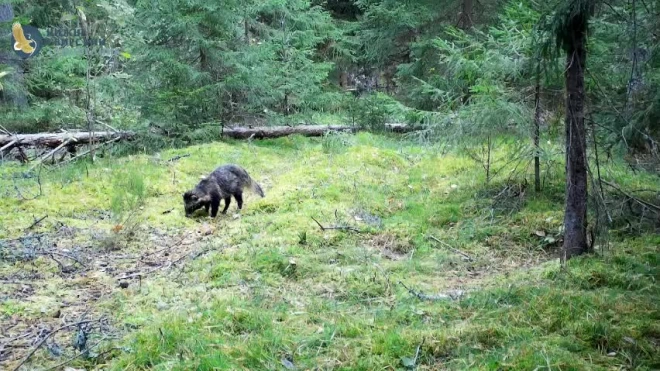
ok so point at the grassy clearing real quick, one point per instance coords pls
(273, 290)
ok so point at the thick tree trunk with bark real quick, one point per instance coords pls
(575, 218)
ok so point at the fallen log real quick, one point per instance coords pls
(54, 140)
(402, 128)
(264, 132)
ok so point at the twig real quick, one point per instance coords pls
(154, 252)
(57, 366)
(645, 203)
(8, 146)
(340, 228)
(107, 126)
(12, 282)
(506, 188)
(43, 158)
(387, 277)
(89, 150)
(62, 255)
(419, 347)
(192, 257)
(140, 274)
(36, 221)
(452, 295)
(197, 255)
(18, 191)
(179, 157)
(4, 130)
(323, 342)
(56, 261)
(164, 266)
(43, 341)
(466, 256)
(200, 253)
(179, 259)
(19, 337)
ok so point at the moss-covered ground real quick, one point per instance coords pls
(268, 289)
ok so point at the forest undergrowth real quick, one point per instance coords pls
(366, 253)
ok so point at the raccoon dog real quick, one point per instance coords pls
(223, 183)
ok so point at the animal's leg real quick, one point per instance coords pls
(239, 199)
(227, 201)
(215, 205)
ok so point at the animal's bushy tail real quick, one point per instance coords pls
(247, 180)
(256, 188)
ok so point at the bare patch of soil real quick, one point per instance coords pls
(51, 281)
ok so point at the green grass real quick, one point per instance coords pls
(275, 286)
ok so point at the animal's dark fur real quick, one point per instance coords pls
(223, 183)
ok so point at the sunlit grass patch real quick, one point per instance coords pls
(276, 288)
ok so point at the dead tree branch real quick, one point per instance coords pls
(419, 348)
(53, 140)
(43, 341)
(457, 251)
(636, 199)
(179, 157)
(67, 256)
(43, 158)
(36, 221)
(8, 147)
(340, 228)
(142, 274)
(18, 191)
(107, 126)
(86, 351)
(88, 151)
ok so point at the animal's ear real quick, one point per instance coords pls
(187, 195)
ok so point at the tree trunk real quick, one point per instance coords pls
(537, 130)
(263, 132)
(285, 104)
(575, 218)
(343, 79)
(89, 106)
(246, 30)
(490, 148)
(465, 19)
(203, 60)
